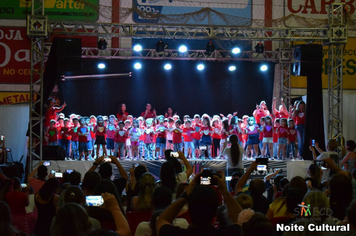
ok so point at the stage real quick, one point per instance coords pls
(290, 168)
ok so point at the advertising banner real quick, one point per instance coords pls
(10, 98)
(58, 10)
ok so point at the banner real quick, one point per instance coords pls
(60, 10)
(348, 65)
(14, 55)
(9, 98)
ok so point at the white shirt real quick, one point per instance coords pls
(227, 154)
(144, 229)
(325, 155)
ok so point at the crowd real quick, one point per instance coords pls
(278, 134)
(179, 202)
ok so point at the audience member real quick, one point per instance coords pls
(315, 174)
(37, 182)
(6, 227)
(133, 188)
(350, 158)
(147, 186)
(91, 179)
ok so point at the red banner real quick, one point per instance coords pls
(15, 49)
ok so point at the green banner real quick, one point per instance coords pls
(57, 10)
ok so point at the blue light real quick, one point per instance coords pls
(183, 49)
(232, 68)
(264, 68)
(236, 50)
(101, 66)
(137, 48)
(200, 67)
(167, 66)
(137, 66)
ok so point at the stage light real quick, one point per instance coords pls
(263, 68)
(102, 44)
(167, 66)
(232, 68)
(259, 48)
(137, 66)
(160, 46)
(210, 47)
(200, 67)
(183, 49)
(101, 66)
(137, 48)
(236, 50)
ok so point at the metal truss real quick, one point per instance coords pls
(174, 54)
(285, 62)
(337, 24)
(188, 32)
(335, 34)
(36, 29)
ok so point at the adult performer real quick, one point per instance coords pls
(148, 113)
(122, 113)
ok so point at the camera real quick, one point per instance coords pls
(69, 171)
(206, 177)
(47, 163)
(23, 185)
(94, 200)
(175, 154)
(312, 142)
(58, 174)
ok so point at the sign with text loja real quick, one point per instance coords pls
(14, 55)
(62, 10)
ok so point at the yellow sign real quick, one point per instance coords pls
(9, 98)
(348, 68)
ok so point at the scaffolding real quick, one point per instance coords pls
(335, 34)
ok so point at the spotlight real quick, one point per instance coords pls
(102, 44)
(183, 49)
(167, 66)
(200, 67)
(232, 68)
(160, 46)
(263, 68)
(210, 47)
(259, 48)
(101, 66)
(137, 48)
(137, 66)
(236, 50)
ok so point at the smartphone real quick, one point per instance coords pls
(205, 180)
(23, 185)
(94, 200)
(107, 159)
(69, 171)
(47, 163)
(2, 137)
(58, 174)
(313, 142)
(262, 167)
(174, 154)
(135, 165)
(53, 172)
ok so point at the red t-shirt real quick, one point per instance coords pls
(148, 137)
(197, 134)
(111, 131)
(122, 117)
(267, 131)
(259, 115)
(223, 133)
(282, 132)
(17, 202)
(216, 132)
(206, 130)
(50, 114)
(66, 133)
(52, 134)
(280, 115)
(83, 138)
(100, 130)
(187, 134)
(74, 133)
(150, 114)
(176, 136)
(142, 137)
(159, 133)
(292, 134)
(300, 119)
(120, 136)
(59, 128)
(252, 129)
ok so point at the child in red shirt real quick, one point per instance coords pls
(120, 139)
(292, 137)
(177, 136)
(83, 133)
(188, 132)
(66, 136)
(148, 139)
(267, 140)
(52, 134)
(100, 132)
(206, 131)
(282, 132)
(75, 139)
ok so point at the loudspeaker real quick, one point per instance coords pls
(69, 54)
(53, 153)
(307, 58)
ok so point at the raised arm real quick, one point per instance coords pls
(96, 163)
(243, 180)
(122, 171)
(189, 168)
(32, 174)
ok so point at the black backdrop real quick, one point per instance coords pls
(188, 91)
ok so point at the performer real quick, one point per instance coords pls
(299, 116)
(122, 114)
(267, 140)
(260, 111)
(148, 139)
(100, 132)
(51, 112)
(252, 130)
(161, 137)
(148, 113)
(206, 131)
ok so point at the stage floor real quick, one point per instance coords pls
(290, 168)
